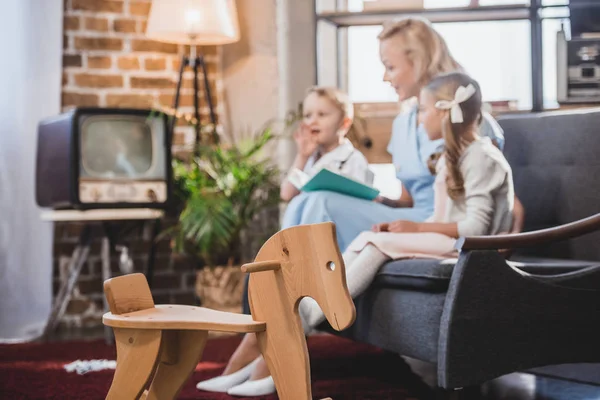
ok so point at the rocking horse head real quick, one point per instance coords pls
(304, 260)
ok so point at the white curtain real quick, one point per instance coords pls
(30, 81)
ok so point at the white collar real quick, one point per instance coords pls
(340, 153)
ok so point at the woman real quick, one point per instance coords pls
(413, 52)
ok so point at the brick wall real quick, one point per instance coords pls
(108, 62)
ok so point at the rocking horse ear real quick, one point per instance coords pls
(261, 266)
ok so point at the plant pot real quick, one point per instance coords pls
(220, 288)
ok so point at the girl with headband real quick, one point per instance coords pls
(473, 191)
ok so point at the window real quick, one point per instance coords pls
(497, 52)
(357, 5)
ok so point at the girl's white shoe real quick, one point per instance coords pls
(259, 387)
(225, 382)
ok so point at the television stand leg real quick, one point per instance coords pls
(152, 252)
(63, 297)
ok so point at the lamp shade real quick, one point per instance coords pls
(199, 22)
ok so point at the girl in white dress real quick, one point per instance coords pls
(473, 191)
(322, 143)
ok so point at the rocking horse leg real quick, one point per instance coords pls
(180, 353)
(287, 359)
(137, 353)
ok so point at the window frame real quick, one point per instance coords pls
(331, 31)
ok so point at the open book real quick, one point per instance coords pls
(326, 179)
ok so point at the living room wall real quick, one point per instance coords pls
(108, 62)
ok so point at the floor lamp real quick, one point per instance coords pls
(194, 23)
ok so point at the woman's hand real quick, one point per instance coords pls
(401, 226)
(307, 143)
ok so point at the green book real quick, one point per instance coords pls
(331, 181)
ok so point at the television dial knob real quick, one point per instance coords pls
(151, 194)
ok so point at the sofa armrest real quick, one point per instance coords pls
(520, 240)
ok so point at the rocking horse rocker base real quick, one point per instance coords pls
(160, 345)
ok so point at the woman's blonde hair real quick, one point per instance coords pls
(456, 139)
(336, 96)
(424, 46)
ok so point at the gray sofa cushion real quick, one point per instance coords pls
(418, 273)
(433, 276)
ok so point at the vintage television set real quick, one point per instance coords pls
(98, 158)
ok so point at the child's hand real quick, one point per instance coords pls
(403, 227)
(306, 142)
(382, 227)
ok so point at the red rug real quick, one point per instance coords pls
(341, 369)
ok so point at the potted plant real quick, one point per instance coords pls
(223, 189)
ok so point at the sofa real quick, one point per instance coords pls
(482, 315)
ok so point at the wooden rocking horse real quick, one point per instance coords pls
(162, 344)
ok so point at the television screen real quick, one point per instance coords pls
(116, 147)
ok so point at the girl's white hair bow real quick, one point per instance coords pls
(462, 94)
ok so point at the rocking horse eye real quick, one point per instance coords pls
(331, 266)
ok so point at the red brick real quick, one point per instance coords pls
(99, 62)
(155, 64)
(65, 42)
(185, 100)
(166, 281)
(129, 100)
(65, 79)
(78, 306)
(189, 84)
(190, 280)
(179, 138)
(128, 63)
(124, 25)
(96, 24)
(151, 83)
(71, 23)
(91, 321)
(139, 8)
(98, 81)
(63, 249)
(150, 45)
(183, 263)
(162, 262)
(210, 66)
(90, 285)
(204, 50)
(72, 230)
(98, 5)
(71, 60)
(184, 298)
(56, 283)
(143, 25)
(161, 298)
(77, 99)
(89, 43)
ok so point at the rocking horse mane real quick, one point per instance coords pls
(269, 248)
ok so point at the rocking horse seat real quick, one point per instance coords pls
(174, 316)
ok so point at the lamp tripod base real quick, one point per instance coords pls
(198, 64)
